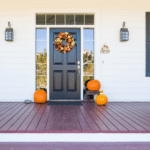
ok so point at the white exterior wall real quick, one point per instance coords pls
(122, 75)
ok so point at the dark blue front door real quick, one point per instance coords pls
(65, 68)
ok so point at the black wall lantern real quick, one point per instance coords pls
(124, 33)
(9, 33)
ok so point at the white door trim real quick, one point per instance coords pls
(97, 42)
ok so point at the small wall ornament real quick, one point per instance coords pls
(59, 45)
(105, 49)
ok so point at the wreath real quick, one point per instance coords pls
(59, 45)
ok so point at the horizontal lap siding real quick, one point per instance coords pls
(17, 62)
(123, 70)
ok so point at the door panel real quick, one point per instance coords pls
(64, 72)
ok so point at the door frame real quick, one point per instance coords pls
(97, 41)
(48, 61)
(48, 58)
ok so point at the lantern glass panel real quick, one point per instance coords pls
(9, 34)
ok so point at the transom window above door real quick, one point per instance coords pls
(64, 19)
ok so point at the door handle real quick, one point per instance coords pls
(78, 68)
(78, 72)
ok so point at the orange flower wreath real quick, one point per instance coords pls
(67, 47)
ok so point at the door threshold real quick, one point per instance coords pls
(68, 100)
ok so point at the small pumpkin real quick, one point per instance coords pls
(93, 85)
(101, 99)
(40, 96)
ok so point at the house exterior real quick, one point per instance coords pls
(123, 73)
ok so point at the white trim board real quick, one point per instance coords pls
(96, 28)
(75, 137)
(48, 27)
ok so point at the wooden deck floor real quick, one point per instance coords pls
(129, 117)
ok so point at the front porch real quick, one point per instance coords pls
(115, 117)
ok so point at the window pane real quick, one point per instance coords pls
(88, 51)
(79, 19)
(41, 81)
(70, 19)
(59, 19)
(41, 34)
(88, 69)
(50, 19)
(89, 19)
(85, 78)
(41, 69)
(40, 19)
(41, 58)
(41, 46)
(88, 34)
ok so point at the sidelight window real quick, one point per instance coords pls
(41, 58)
(88, 55)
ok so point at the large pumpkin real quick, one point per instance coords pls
(93, 85)
(40, 96)
(101, 99)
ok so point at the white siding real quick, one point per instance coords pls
(17, 66)
(122, 75)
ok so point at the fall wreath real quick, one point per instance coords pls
(59, 45)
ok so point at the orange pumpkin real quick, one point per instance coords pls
(93, 85)
(101, 99)
(40, 96)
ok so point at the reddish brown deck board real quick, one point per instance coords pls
(58, 121)
(82, 121)
(102, 126)
(42, 124)
(143, 123)
(55, 119)
(3, 105)
(15, 118)
(134, 121)
(140, 109)
(136, 126)
(17, 124)
(104, 119)
(7, 109)
(145, 117)
(35, 121)
(118, 118)
(70, 119)
(28, 120)
(115, 117)
(116, 123)
(93, 126)
(11, 116)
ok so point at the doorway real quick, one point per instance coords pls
(65, 69)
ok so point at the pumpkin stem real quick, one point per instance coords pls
(101, 93)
